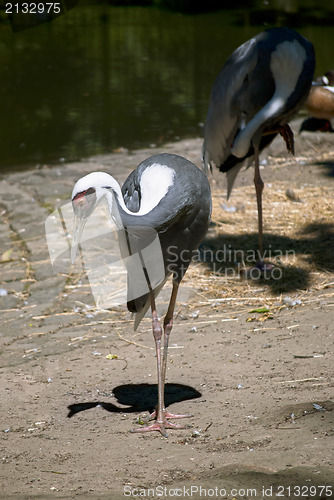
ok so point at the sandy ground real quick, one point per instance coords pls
(251, 360)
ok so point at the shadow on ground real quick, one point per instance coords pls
(139, 398)
(291, 258)
(328, 165)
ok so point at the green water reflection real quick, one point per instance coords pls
(102, 77)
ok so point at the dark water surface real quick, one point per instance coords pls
(99, 77)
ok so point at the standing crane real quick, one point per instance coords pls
(167, 194)
(259, 89)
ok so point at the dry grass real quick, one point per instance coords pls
(298, 241)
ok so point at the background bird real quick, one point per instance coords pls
(320, 104)
(327, 79)
(168, 196)
(316, 125)
(259, 89)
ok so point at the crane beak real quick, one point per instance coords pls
(79, 225)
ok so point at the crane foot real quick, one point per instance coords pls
(161, 427)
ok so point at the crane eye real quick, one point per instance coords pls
(83, 194)
(84, 202)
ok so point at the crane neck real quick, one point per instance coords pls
(122, 216)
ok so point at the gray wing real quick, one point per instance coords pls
(224, 117)
(131, 190)
(180, 219)
(243, 87)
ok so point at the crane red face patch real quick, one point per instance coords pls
(84, 202)
(83, 194)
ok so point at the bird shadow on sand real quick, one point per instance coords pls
(138, 398)
(293, 259)
(328, 167)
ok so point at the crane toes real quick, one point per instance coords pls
(169, 415)
(157, 426)
(161, 427)
(163, 424)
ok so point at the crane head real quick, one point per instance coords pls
(86, 195)
(83, 204)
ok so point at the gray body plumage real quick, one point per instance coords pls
(243, 87)
(167, 197)
(180, 219)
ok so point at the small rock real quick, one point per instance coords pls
(195, 314)
(289, 301)
(293, 196)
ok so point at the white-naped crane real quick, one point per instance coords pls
(171, 196)
(260, 87)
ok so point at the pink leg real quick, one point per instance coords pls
(161, 423)
(258, 182)
(287, 135)
(168, 324)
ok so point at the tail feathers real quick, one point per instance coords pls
(231, 175)
(141, 305)
(206, 162)
(141, 313)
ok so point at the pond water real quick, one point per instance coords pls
(100, 77)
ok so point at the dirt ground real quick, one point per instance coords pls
(251, 358)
